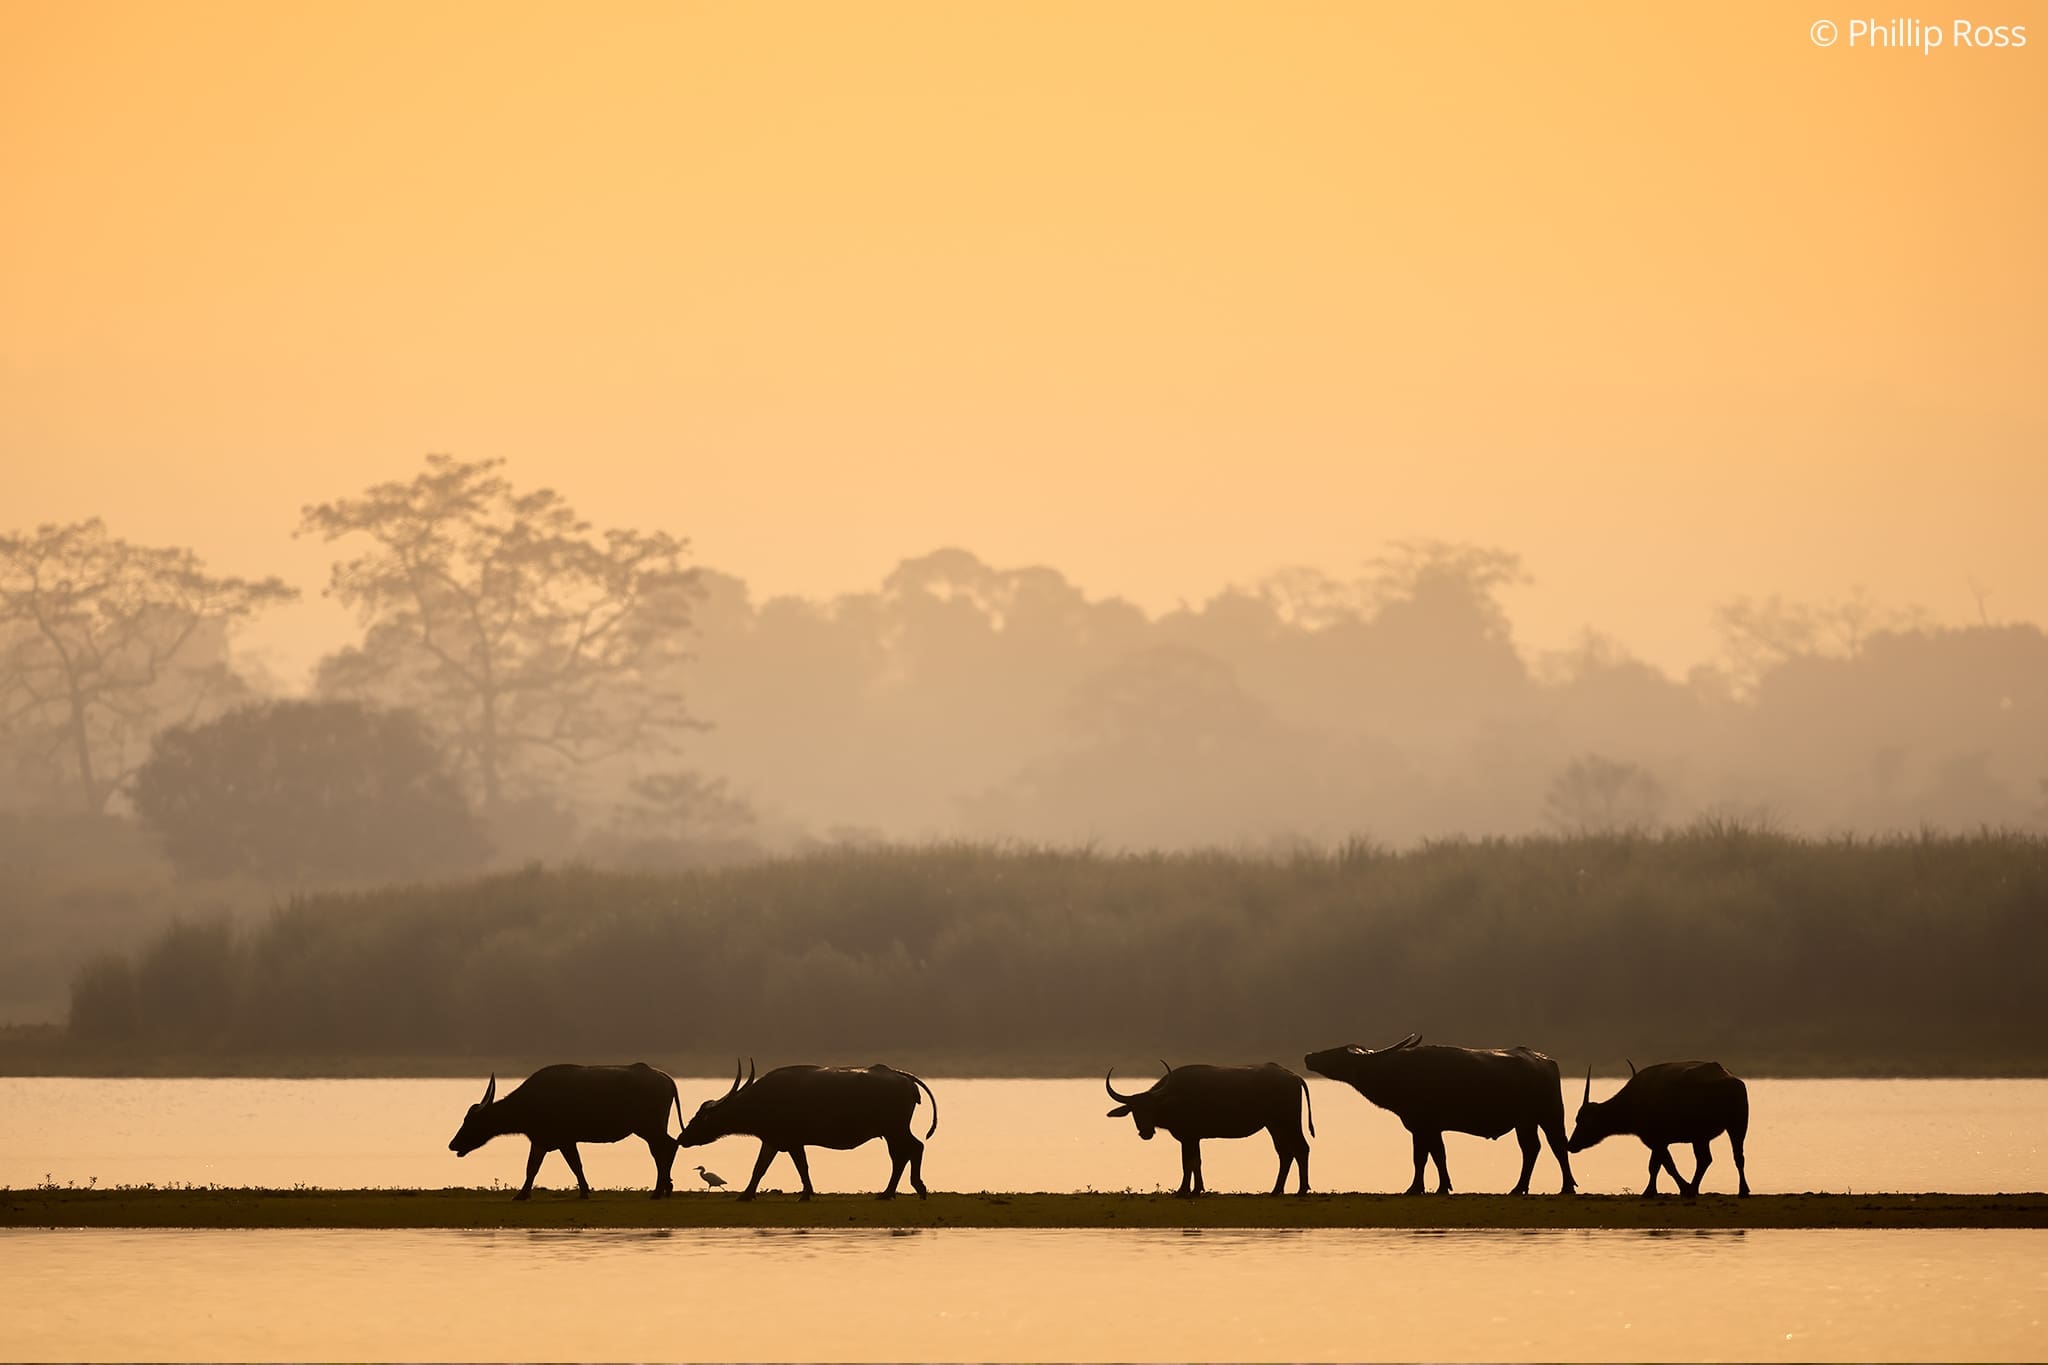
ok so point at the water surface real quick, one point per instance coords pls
(1834, 1136)
(978, 1295)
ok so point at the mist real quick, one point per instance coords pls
(526, 688)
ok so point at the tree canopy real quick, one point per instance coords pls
(102, 642)
(530, 641)
(307, 790)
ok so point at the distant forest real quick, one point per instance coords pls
(1774, 955)
(527, 688)
(588, 693)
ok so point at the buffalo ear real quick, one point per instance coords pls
(1118, 1112)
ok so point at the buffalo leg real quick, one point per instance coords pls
(1738, 1129)
(905, 1151)
(575, 1160)
(761, 1163)
(1190, 1169)
(1527, 1138)
(1443, 1171)
(917, 1166)
(1290, 1152)
(1705, 1155)
(1661, 1157)
(803, 1170)
(663, 1149)
(533, 1160)
(1560, 1147)
(1286, 1155)
(1421, 1161)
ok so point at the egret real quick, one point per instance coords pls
(711, 1178)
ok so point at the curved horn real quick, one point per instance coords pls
(1589, 1085)
(735, 1079)
(750, 1071)
(1120, 1099)
(1168, 1065)
(491, 1090)
(1631, 1069)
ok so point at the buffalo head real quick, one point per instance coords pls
(476, 1129)
(1144, 1108)
(1350, 1062)
(710, 1122)
(1596, 1121)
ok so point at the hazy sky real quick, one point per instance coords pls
(1667, 298)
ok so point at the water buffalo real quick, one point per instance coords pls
(794, 1107)
(1196, 1102)
(559, 1106)
(1434, 1090)
(1671, 1102)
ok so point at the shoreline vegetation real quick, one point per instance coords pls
(494, 1209)
(1777, 955)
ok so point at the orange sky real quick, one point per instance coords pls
(1666, 298)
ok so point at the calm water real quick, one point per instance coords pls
(988, 1294)
(1834, 1136)
(1779, 1295)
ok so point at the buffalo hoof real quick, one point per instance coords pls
(923, 1193)
(1413, 1189)
(804, 1198)
(1186, 1194)
(1519, 1189)
(583, 1194)
(886, 1194)
(522, 1196)
(746, 1196)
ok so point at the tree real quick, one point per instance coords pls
(103, 642)
(524, 638)
(306, 789)
(1596, 795)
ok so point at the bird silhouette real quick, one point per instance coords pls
(711, 1178)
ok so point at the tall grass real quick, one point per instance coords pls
(1919, 954)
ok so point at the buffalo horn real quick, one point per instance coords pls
(1120, 1099)
(735, 1077)
(1166, 1066)
(1589, 1085)
(750, 1071)
(491, 1090)
(1631, 1069)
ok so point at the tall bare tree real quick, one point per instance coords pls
(103, 642)
(527, 638)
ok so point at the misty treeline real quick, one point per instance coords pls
(586, 693)
(1772, 953)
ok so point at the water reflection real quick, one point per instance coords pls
(953, 1294)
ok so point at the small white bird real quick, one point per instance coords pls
(711, 1178)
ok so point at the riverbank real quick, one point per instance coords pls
(495, 1209)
